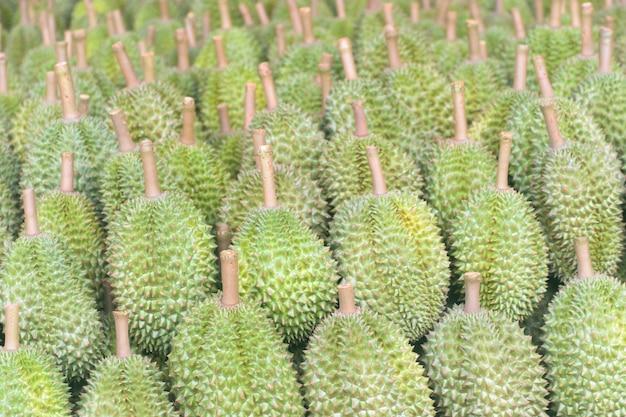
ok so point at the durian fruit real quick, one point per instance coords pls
(450, 52)
(378, 374)
(284, 265)
(184, 77)
(306, 92)
(38, 61)
(576, 188)
(227, 358)
(587, 377)
(389, 246)
(30, 383)
(125, 385)
(22, 38)
(480, 362)
(103, 59)
(498, 235)
(40, 274)
(164, 28)
(10, 98)
(161, 261)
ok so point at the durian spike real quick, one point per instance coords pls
(347, 305)
(223, 236)
(294, 16)
(555, 14)
(460, 119)
(80, 37)
(151, 178)
(521, 66)
(230, 278)
(360, 120)
(281, 43)
(125, 65)
(119, 22)
(379, 187)
(538, 9)
(393, 53)
(606, 51)
(388, 14)
(220, 52)
(67, 172)
(308, 37)
(4, 80)
(347, 59)
(499, 6)
(474, 10)
(30, 213)
(340, 6)
(262, 13)
(110, 25)
(258, 140)
(206, 25)
(68, 95)
(188, 136)
(164, 11)
(222, 114)
(267, 81)
(586, 31)
(150, 35)
(12, 327)
(574, 7)
(249, 105)
(518, 23)
(609, 22)
(267, 173)
(245, 14)
(326, 82)
(147, 62)
(583, 257)
(182, 47)
(43, 27)
(474, 40)
(51, 87)
(122, 342)
(502, 176)
(24, 13)
(190, 30)
(472, 292)
(484, 54)
(444, 6)
(83, 105)
(91, 14)
(542, 77)
(60, 49)
(451, 19)
(68, 37)
(549, 116)
(124, 141)
(415, 12)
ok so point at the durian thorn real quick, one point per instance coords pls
(294, 16)
(499, 7)
(460, 119)
(190, 30)
(451, 18)
(262, 13)
(267, 174)
(444, 7)
(267, 81)
(51, 87)
(80, 37)
(502, 176)
(542, 77)
(124, 141)
(60, 49)
(220, 52)
(206, 25)
(340, 6)
(30, 213)
(474, 40)
(125, 65)
(91, 14)
(549, 116)
(347, 59)
(147, 62)
(538, 11)
(249, 105)
(24, 17)
(230, 278)
(555, 14)
(188, 135)
(68, 95)
(83, 105)
(326, 82)
(472, 292)
(122, 341)
(518, 23)
(609, 22)
(150, 36)
(388, 14)
(415, 12)
(12, 327)
(245, 14)
(484, 54)
(606, 51)
(586, 31)
(379, 187)
(182, 47)
(521, 67)
(574, 7)
(393, 52)
(281, 43)
(583, 258)
(4, 79)
(426, 4)
(223, 236)
(308, 37)
(347, 304)
(224, 120)
(474, 10)
(151, 178)
(360, 120)
(118, 20)
(67, 172)
(110, 25)
(258, 140)
(224, 14)
(164, 11)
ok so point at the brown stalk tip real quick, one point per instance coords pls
(451, 18)
(393, 52)
(263, 17)
(190, 29)
(124, 141)
(230, 278)
(150, 35)
(147, 62)
(549, 116)
(606, 51)
(223, 235)
(379, 187)
(110, 25)
(66, 88)
(188, 136)
(30, 213)
(281, 41)
(249, 104)
(121, 319)
(60, 48)
(388, 14)
(360, 120)
(164, 10)
(224, 14)
(267, 81)
(125, 65)
(472, 292)
(325, 81)
(79, 36)
(12, 327)
(555, 14)
(518, 23)
(460, 118)
(294, 16)
(340, 6)
(542, 77)
(182, 46)
(345, 51)
(347, 304)
(474, 40)
(119, 22)
(245, 14)
(307, 25)
(521, 67)
(224, 120)
(415, 12)
(67, 172)
(4, 80)
(258, 140)
(267, 174)
(151, 179)
(502, 176)
(51, 87)
(574, 6)
(583, 257)
(586, 32)
(83, 105)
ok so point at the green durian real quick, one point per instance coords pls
(22, 39)
(369, 23)
(450, 52)
(241, 48)
(188, 80)
(501, 46)
(303, 91)
(498, 235)
(37, 61)
(10, 211)
(148, 11)
(158, 241)
(228, 359)
(284, 265)
(480, 362)
(282, 10)
(30, 383)
(224, 13)
(378, 373)
(231, 144)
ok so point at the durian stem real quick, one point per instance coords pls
(474, 40)
(24, 13)
(12, 327)
(91, 14)
(249, 105)
(60, 49)
(294, 16)
(542, 77)
(4, 79)
(609, 22)
(150, 36)
(51, 87)
(327, 58)
(518, 23)
(31, 11)
(521, 64)
(68, 36)
(124, 141)
(451, 19)
(574, 7)
(555, 14)
(151, 178)
(345, 51)
(66, 88)
(472, 292)
(608, 4)
(426, 4)
(182, 48)
(460, 119)
(125, 65)
(484, 54)
(606, 51)
(230, 278)
(502, 177)
(314, 8)
(224, 14)
(499, 6)
(388, 14)
(267, 174)
(347, 305)
(308, 37)
(281, 43)
(223, 236)
(164, 10)
(206, 25)
(444, 6)
(220, 52)
(373, 5)
(340, 5)
(119, 22)
(83, 105)
(474, 10)
(43, 27)
(360, 120)
(262, 13)
(245, 14)
(415, 12)
(80, 36)
(30, 213)
(267, 81)
(379, 187)
(110, 25)
(326, 82)
(147, 62)
(190, 30)
(67, 172)
(393, 53)
(121, 334)
(222, 114)
(188, 136)
(583, 257)
(258, 140)
(586, 32)
(549, 116)
(538, 9)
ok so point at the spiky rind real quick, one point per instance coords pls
(22, 38)
(30, 123)
(240, 45)
(36, 62)
(572, 72)
(304, 59)
(448, 55)
(554, 45)
(301, 90)
(230, 148)
(104, 58)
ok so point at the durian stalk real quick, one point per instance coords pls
(164, 11)
(51, 87)
(182, 47)
(340, 6)
(518, 24)
(294, 16)
(538, 9)
(347, 305)
(460, 119)
(415, 12)
(68, 35)
(258, 140)
(206, 25)
(379, 187)
(150, 35)
(393, 53)
(125, 65)
(347, 59)
(124, 141)
(267, 174)
(267, 81)
(24, 13)
(281, 43)
(83, 105)
(608, 4)
(222, 114)
(444, 6)
(360, 121)
(574, 7)
(4, 80)
(451, 19)
(52, 26)
(314, 8)
(326, 82)
(147, 62)
(606, 51)
(484, 54)
(60, 49)
(609, 22)
(249, 105)
(502, 176)
(388, 14)
(91, 14)
(122, 341)
(110, 25)
(245, 14)
(12, 327)
(67, 172)
(223, 236)
(188, 136)
(220, 52)
(230, 278)
(327, 58)
(549, 116)
(43, 27)
(190, 30)
(307, 26)
(373, 5)
(119, 22)
(426, 4)
(31, 11)
(68, 95)
(79, 37)
(472, 292)
(474, 10)
(555, 14)
(499, 7)
(151, 178)
(474, 40)
(542, 77)
(586, 32)
(583, 257)
(262, 13)
(521, 64)
(30, 213)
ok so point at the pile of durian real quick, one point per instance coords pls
(312, 208)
